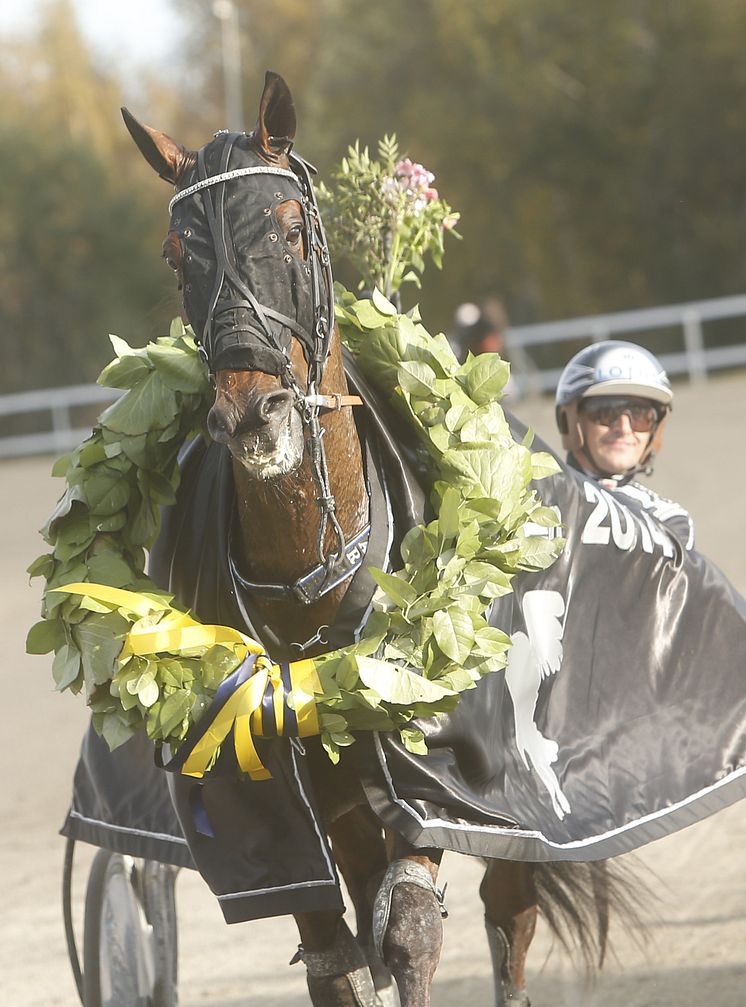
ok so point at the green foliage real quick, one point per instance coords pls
(384, 217)
(74, 257)
(109, 514)
(427, 640)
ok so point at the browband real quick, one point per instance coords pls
(226, 176)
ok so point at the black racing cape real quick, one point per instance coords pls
(620, 718)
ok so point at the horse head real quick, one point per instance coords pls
(246, 242)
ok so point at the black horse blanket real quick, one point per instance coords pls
(620, 718)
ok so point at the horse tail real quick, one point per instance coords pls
(578, 900)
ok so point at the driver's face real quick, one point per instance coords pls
(611, 445)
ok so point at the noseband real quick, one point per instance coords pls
(241, 332)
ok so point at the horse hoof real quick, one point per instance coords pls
(506, 993)
(339, 976)
(408, 929)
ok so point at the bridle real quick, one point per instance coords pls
(257, 340)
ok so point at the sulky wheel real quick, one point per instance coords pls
(129, 934)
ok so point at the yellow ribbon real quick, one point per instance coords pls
(243, 712)
(176, 632)
(140, 604)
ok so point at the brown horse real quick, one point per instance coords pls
(247, 245)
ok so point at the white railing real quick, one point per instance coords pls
(58, 403)
(695, 360)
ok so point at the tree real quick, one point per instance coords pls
(79, 235)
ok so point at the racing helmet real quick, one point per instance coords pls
(611, 367)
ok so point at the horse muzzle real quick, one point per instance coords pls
(265, 435)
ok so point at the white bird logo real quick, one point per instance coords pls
(531, 659)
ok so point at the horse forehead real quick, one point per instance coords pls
(249, 201)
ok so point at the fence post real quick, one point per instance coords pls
(694, 345)
(61, 425)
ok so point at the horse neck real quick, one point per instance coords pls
(280, 520)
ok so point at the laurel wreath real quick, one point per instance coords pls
(427, 639)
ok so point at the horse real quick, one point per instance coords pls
(248, 247)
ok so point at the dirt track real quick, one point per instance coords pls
(697, 954)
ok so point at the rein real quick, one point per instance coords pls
(272, 357)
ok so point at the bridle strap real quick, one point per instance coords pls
(226, 176)
(333, 402)
(314, 584)
(332, 569)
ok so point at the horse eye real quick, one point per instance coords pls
(295, 234)
(172, 263)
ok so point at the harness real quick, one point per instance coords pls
(242, 331)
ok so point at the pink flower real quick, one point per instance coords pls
(414, 176)
(430, 194)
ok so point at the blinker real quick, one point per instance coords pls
(248, 312)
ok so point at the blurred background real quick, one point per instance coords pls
(596, 152)
(594, 148)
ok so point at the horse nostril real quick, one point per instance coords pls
(275, 406)
(219, 426)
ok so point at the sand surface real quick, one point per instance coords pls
(696, 953)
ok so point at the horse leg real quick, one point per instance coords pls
(337, 971)
(360, 854)
(510, 911)
(407, 920)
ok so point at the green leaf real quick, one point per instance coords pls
(181, 371)
(537, 552)
(110, 568)
(172, 713)
(177, 330)
(330, 747)
(61, 465)
(72, 495)
(99, 638)
(448, 513)
(413, 740)
(216, 665)
(150, 405)
(334, 723)
(107, 494)
(398, 685)
(124, 372)
(478, 571)
(114, 729)
(417, 378)
(45, 636)
(454, 633)
(159, 488)
(66, 666)
(343, 739)
(484, 377)
(367, 314)
(148, 693)
(382, 304)
(43, 566)
(491, 642)
(543, 464)
(398, 590)
(483, 472)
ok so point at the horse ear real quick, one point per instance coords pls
(164, 155)
(275, 127)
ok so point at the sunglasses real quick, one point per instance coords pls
(643, 416)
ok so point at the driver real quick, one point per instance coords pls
(612, 403)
